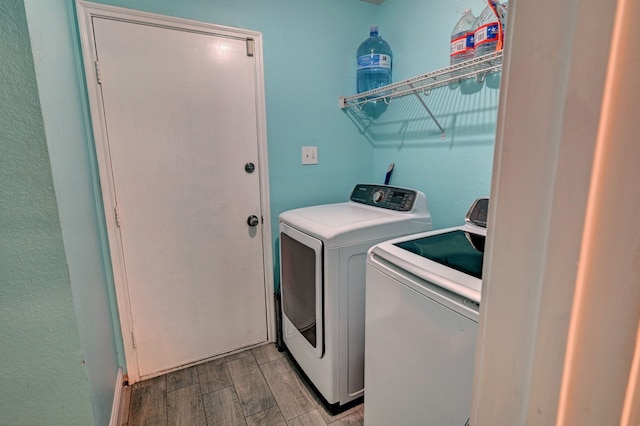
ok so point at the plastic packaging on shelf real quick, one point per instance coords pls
(471, 84)
(462, 45)
(488, 34)
(493, 78)
(374, 60)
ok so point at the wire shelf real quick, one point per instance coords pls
(423, 84)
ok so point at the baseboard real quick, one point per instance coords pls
(117, 400)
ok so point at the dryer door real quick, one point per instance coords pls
(301, 288)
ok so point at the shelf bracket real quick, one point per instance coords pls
(424, 104)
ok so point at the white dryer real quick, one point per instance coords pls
(322, 279)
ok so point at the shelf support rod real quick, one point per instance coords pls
(424, 104)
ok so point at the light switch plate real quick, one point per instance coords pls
(309, 155)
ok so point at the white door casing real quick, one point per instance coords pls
(190, 274)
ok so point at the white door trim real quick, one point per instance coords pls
(86, 11)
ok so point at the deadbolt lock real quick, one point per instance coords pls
(253, 220)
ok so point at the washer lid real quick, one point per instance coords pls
(336, 215)
(457, 249)
(350, 222)
(404, 255)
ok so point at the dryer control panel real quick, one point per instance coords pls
(386, 197)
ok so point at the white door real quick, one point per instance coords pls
(181, 121)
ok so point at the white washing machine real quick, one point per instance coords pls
(322, 280)
(422, 310)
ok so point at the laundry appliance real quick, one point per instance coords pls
(323, 260)
(422, 310)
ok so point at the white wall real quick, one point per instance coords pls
(561, 300)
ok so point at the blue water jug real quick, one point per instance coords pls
(374, 60)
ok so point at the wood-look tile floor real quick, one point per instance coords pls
(259, 386)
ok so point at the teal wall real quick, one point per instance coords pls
(43, 379)
(453, 171)
(52, 32)
(309, 54)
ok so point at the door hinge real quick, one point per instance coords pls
(133, 339)
(251, 47)
(116, 211)
(98, 75)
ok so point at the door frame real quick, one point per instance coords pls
(85, 12)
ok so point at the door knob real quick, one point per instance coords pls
(253, 220)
